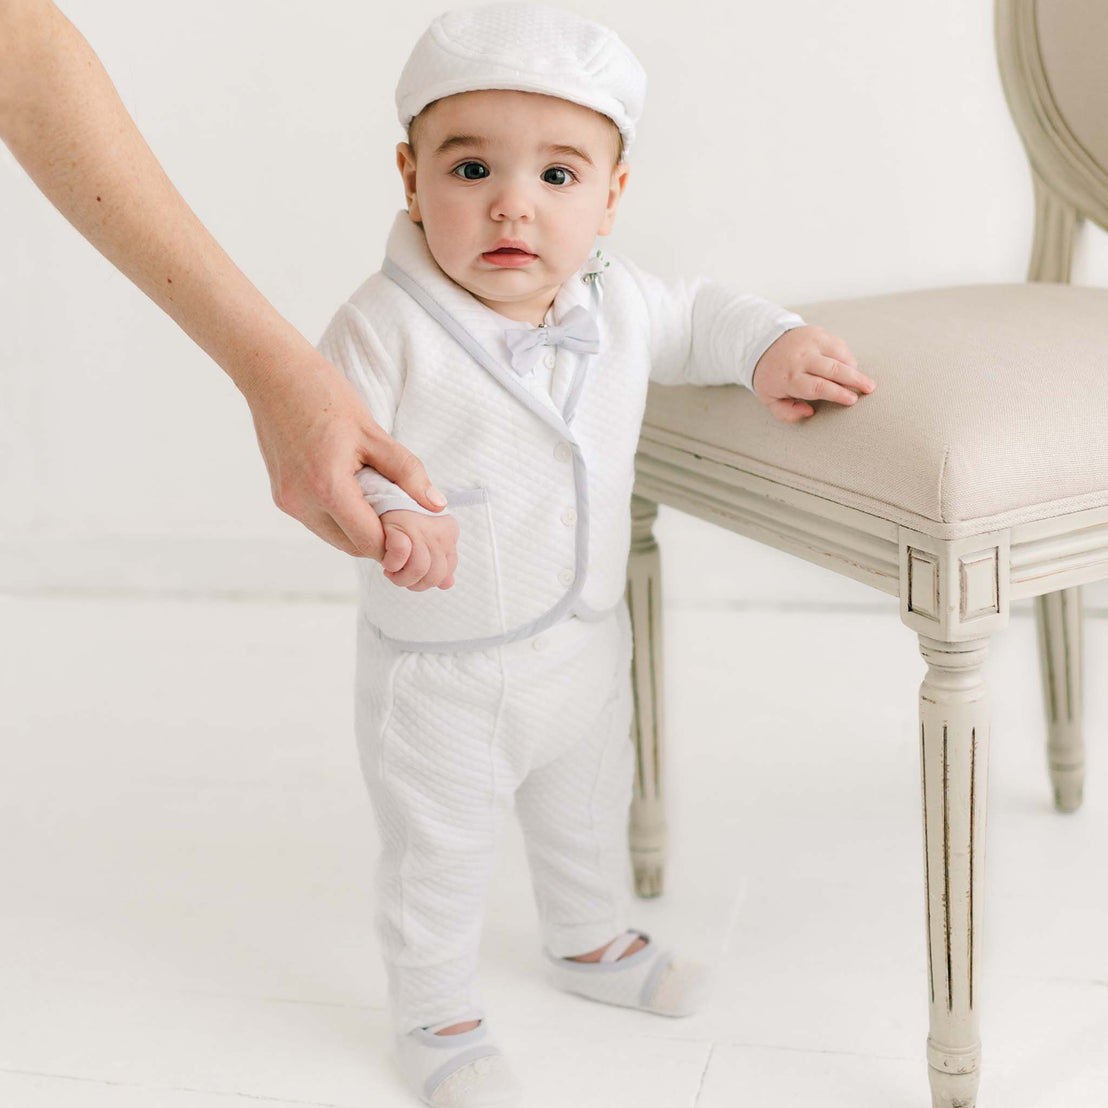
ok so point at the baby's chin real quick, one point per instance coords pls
(511, 287)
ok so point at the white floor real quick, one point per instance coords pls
(185, 903)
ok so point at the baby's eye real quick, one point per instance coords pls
(470, 171)
(557, 175)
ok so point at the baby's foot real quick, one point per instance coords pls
(456, 1065)
(457, 1028)
(598, 954)
(633, 972)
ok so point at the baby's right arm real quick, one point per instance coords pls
(421, 551)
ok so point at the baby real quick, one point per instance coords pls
(494, 643)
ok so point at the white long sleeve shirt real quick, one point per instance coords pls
(538, 469)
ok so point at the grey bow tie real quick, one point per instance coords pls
(577, 331)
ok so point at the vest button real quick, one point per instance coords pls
(566, 577)
(538, 643)
(562, 452)
(569, 517)
(549, 361)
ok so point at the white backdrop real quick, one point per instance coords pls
(800, 149)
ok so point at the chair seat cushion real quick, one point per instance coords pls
(991, 409)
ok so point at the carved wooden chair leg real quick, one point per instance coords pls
(644, 598)
(1058, 616)
(954, 747)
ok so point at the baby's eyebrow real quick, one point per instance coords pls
(455, 141)
(571, 151)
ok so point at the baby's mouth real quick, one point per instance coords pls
(509, 256)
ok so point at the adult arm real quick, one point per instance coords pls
(62, 118)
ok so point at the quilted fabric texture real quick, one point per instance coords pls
(528, 47)
(988, 410)
(446, 742)
(524, 524)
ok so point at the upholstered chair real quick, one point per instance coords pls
(976, 475)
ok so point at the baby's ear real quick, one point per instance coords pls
(616, 187)
(406, 163)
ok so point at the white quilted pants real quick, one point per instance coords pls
(447, 742)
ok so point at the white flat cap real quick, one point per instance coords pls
(529, 48)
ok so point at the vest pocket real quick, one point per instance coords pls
(469, 609)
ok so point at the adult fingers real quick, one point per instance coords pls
(324, 527)
(330, 504)
(401, 466)
(357, 521)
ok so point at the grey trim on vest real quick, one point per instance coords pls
(579, 375)
(454, 1064)
(504, 376)
(508, 380)
(465, 498)
(403, 504)
(461, 499)
(594, 615)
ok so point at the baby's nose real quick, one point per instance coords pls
(513, 203)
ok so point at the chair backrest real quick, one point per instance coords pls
(1053, 58)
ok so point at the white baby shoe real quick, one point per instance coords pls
(457, 1071)
(651, 979)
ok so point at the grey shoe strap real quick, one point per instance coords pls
(618, 947)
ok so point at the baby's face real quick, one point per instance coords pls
(511, 188)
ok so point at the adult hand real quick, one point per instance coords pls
(315, 433)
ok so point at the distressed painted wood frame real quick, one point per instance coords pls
(954, 594)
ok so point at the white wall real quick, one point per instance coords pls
(800, 149)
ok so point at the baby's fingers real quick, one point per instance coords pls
(789, 410)
(436, 571)
(415, 569)
(451, 566)
(397, 549)
(834, 346)
(846, 374)
(820, 383)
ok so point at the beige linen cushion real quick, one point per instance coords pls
(991, 409)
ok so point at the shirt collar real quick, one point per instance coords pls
(407, 248)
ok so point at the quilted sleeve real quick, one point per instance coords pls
(350, 344)
(702, 333)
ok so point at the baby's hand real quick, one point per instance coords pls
(420, 551)
(807, 363)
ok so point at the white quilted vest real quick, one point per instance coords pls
(541, 495)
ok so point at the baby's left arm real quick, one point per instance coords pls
(804, 364)
(703, 333)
